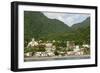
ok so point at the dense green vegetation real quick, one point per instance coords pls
(41, 28)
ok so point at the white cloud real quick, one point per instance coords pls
(67, 18)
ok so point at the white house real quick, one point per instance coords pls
(28, 54)
(50, 53)
(37, 54)
(48, 47)
(70, 53)
(32, 43)
(76, 48)
(86, 45)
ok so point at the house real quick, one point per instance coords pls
(37, 54)
(76, 49)
(50, 54)
(28, 54)
(86, 45)
(49, 47)
(70, 53)
(79, 52)
(53, 48)
(32, 43)
(70, 44)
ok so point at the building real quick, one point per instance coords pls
(70, 44)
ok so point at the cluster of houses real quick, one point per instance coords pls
(50, 49)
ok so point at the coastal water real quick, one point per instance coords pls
(27, 59)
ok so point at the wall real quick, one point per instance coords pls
(5, 35)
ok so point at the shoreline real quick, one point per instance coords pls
(33, 58)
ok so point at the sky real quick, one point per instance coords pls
(67, 18)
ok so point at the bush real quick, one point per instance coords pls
(86, 51)
(28, 50)
(56, 53)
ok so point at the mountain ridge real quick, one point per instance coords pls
(39, 26)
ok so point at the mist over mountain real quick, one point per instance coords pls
(83, 24)
(40, 27)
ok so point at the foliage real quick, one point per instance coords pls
(70, 49)
(28, 50)
(41, 28)
(86, 51)
(35, 49)
(56, 53)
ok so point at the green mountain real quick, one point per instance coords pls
(82, 31)
(40, 27)
(37, 25)
(83, 24)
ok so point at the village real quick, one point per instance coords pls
(55, 49)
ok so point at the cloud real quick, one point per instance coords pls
(67, 18)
